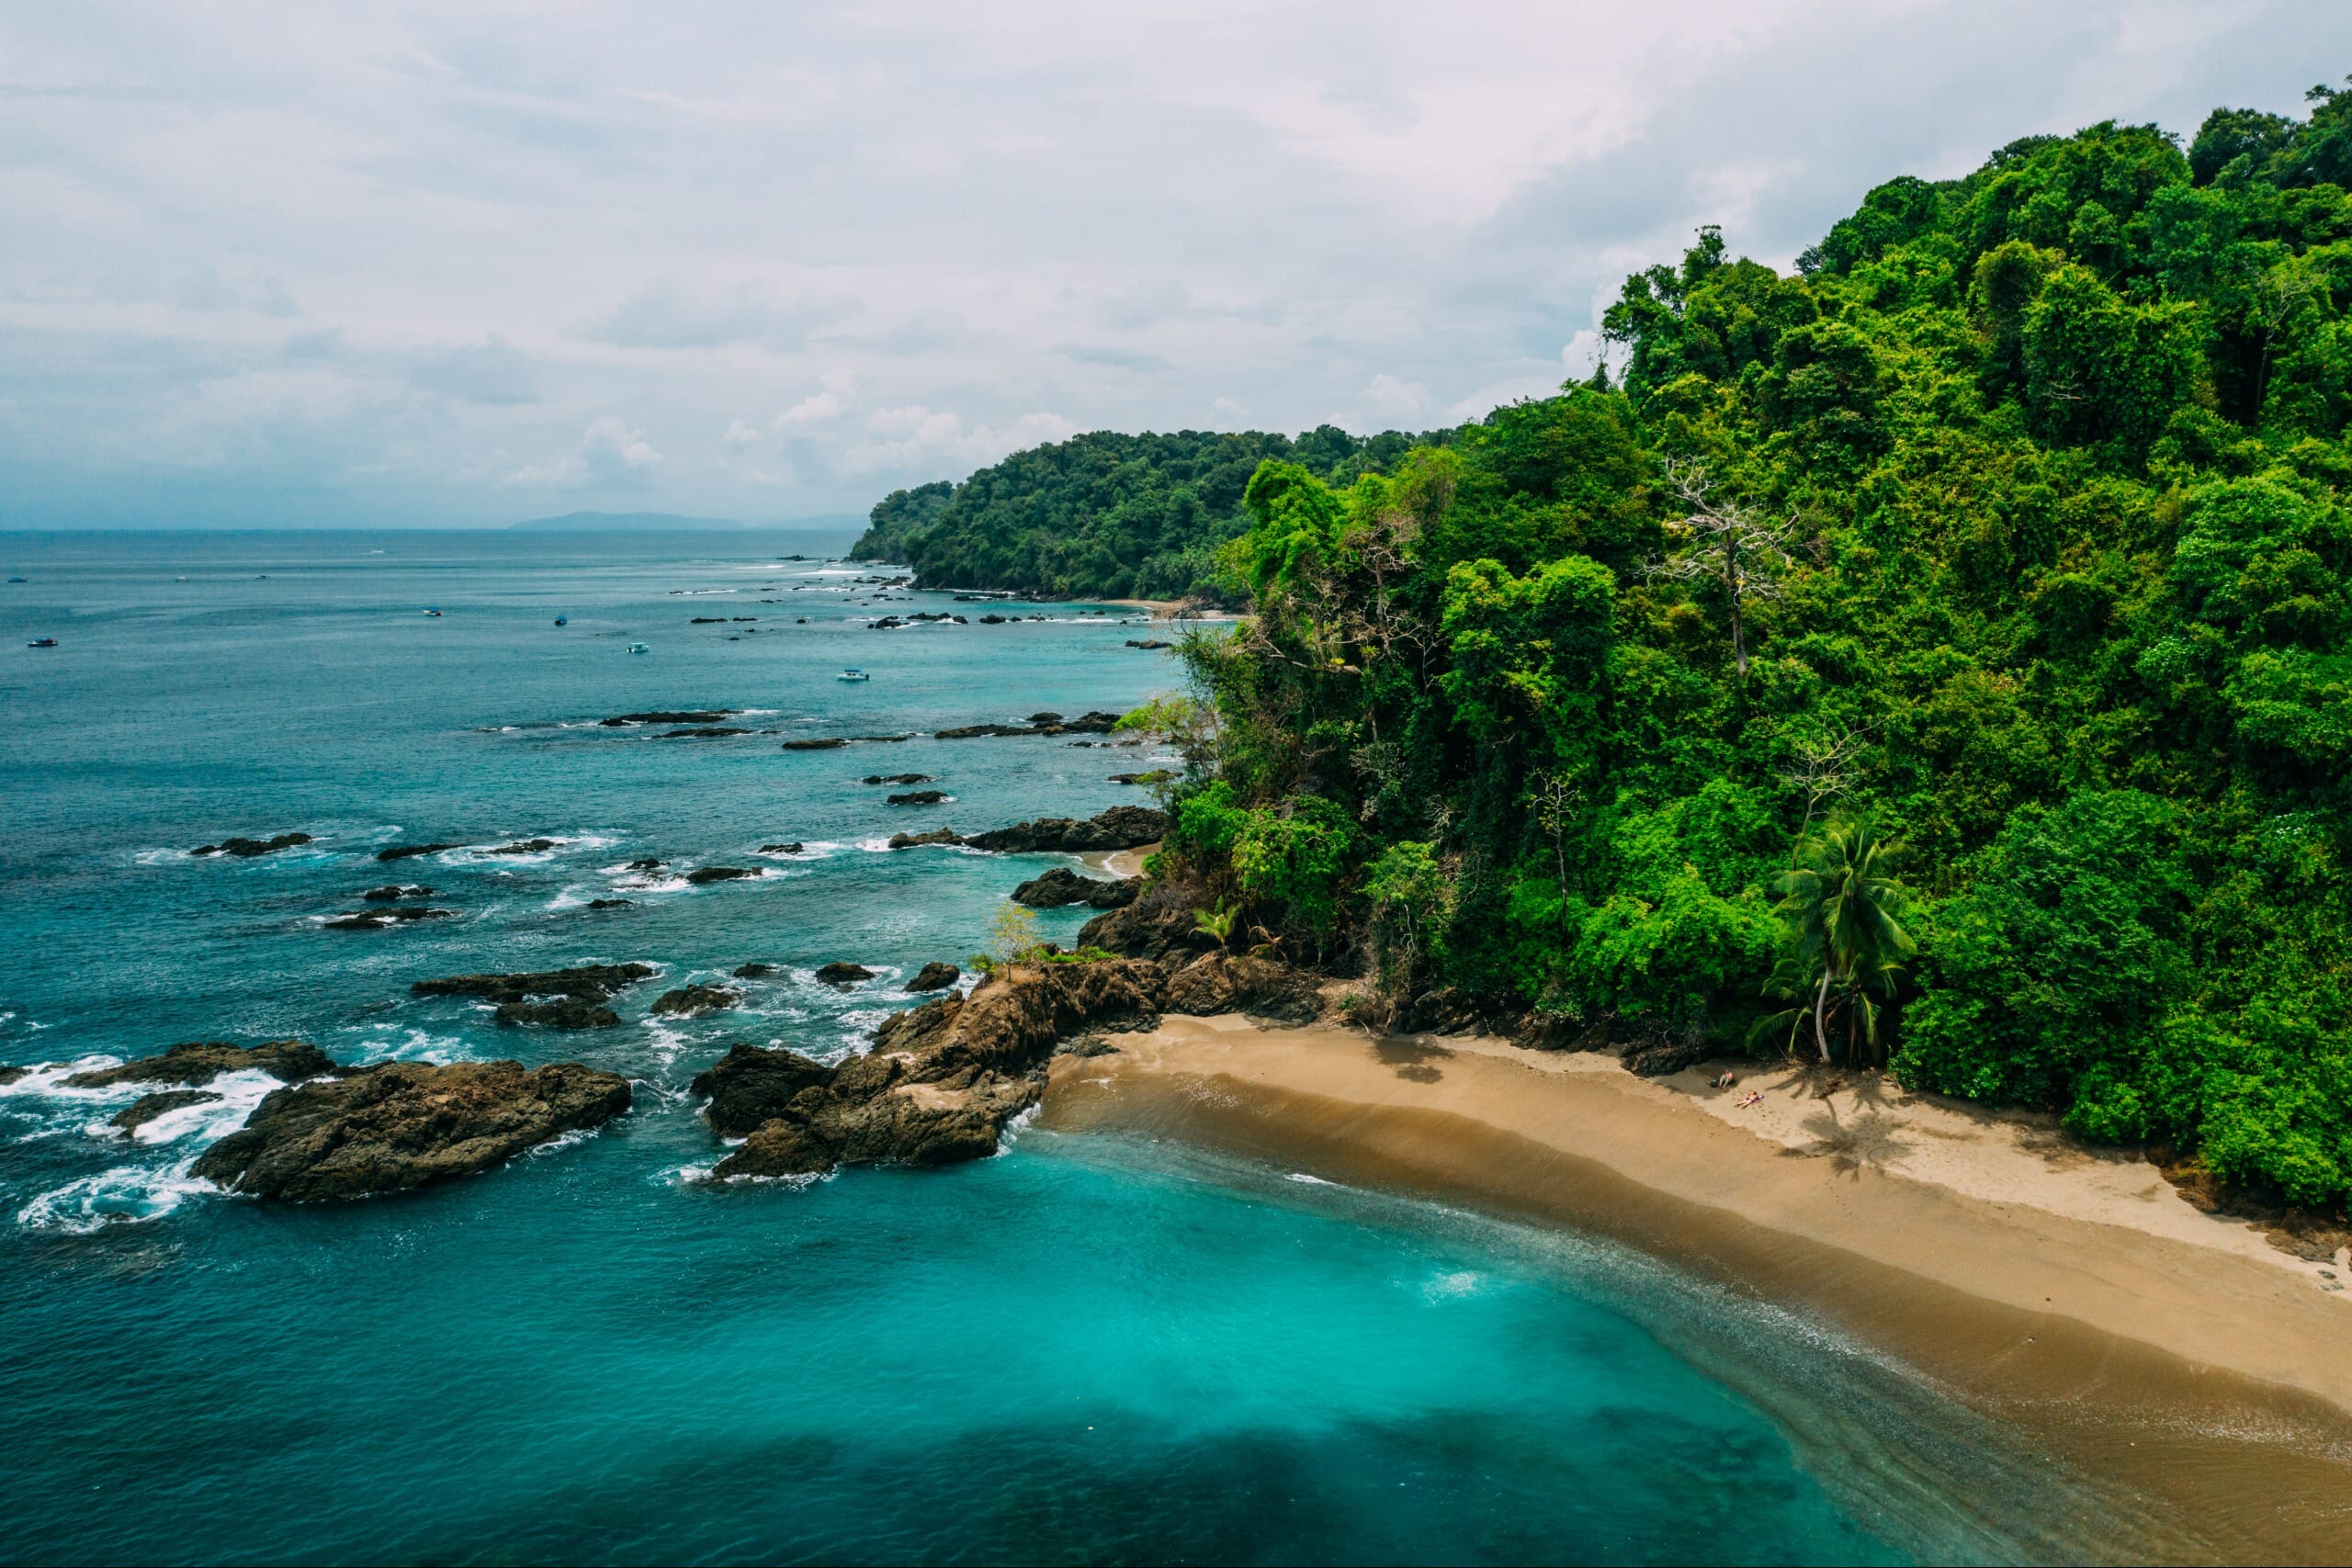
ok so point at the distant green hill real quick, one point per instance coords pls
(1103, 515)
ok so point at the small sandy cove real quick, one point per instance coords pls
(2070, 1291)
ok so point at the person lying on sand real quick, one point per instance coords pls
(1754, 1096)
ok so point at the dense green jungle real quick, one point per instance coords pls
(1935, 657)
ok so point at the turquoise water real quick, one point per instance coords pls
(1089, 1348)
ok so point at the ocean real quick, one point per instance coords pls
(1092, 1347)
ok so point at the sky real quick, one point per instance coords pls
(383, 265)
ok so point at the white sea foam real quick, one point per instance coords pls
(1453, 1286)
(239, 1092)
(413, 1045)
(124, 1195)
(1015, 1127)
(1310, 1181)
(162, 857)
(562, 1141)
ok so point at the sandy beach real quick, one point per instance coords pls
(2071, 1293)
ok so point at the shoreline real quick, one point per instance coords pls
(2075, 1297)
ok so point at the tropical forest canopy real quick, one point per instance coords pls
(1104, 515)
(1941, 654)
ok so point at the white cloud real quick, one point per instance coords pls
(610, 455)
(495, 232)
(1395, 399)
(912, 438)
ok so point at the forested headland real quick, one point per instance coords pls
(1104, 516)
(1939, 656)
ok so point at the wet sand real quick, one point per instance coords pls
(2170, 1354)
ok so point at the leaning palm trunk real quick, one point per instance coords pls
(1820, 1002)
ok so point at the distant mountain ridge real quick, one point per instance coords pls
(671, 522)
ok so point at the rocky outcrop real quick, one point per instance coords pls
(523, 847)
(1095, 723)
(1149, 642)
(1218, 982)
(897, 778)
(1120, 828)
(793, 847)
(385, 895)
(701, 732)
(1062, 887)
(934, 977)
(918, 797)
(246, 849)
(1158, 775)
(702, 876)
(609, 903)
(1161, 924)
(410, 851)
(843, 973)
(199, 1062)
(815, 745)
(403, 1124)
(589, 982)
(940, 1083)
(753, 971)
(916, 840)
(380, 919)
(693, 1002)
(668, 716)
(147, 1107)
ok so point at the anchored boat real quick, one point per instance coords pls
(853, 673)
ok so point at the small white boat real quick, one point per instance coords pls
(435, 613)
(853, 673)
(43, 642)
(641, 648)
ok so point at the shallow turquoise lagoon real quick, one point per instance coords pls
(1089, 1348)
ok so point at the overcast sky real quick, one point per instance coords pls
(474, 262)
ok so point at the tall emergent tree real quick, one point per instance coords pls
(1843, 910)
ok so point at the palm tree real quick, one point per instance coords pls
(1843, 910)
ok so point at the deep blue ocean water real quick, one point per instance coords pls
(1092, 1347)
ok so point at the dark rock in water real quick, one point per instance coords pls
(918, 797)
(1095, 723)
(589, 982)
(563, 1012)
(382, 920)
(1159, 775)
(935, 976)
(1148, 642)
(939, 1085)
(826, 745)
(992, 619)
(1161, 924)
(1047, 717)
(523, 847)
(1062, 887)
(386, 894)
(908, 735)
(147, 1107)
(199, 1062)
(916, 840)
(974, 731)
(1218, 982)
(888, 622)
(246, 849)
(708, 621)
(403, 1124)
(10, 1075)
(749, 1086)
(410, 851)
(897, 778)
(1121, 828)
(793, 848)
(753, 971)
(693, 1002)
(703, 874)
(647, 863)
(843, 974)
(610, 904)
(706, 732)
(669, 715)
